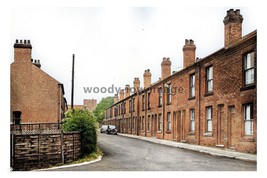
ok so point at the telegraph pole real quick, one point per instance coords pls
(72, 82)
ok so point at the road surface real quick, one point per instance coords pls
(128, 154)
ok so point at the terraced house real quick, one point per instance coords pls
(212, 101)
(36, 97)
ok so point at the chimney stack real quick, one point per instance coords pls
(147, 78)
(189, 53)
(165, 68)
(127, 91)
(22, 51)
(232, 27)
(136, 84)
(121, 94)
(37, 63)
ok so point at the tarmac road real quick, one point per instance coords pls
(128, 154)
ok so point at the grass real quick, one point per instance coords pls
(90, 157)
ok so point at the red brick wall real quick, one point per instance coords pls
(33, 92)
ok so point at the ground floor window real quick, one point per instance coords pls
(248, 119)
(209, 119)
(168, 122)
(160, 122)
(192, 119)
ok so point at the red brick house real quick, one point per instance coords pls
(211, 101)
(36, 97)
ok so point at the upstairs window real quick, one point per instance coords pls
(130, 105)
(169, 94)
(160, 96)
(209, 79)
(192, 86)
(249, 67)
(133, 104)
(143, 102)
(148, 100)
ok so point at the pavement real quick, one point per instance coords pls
(202, 149)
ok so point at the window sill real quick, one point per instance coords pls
(207, 134)
(169, 104)
(247, 138)
(191, 98)
(168, 132)
(159, 132)
(248, 87)
(208, 94)
(149, 108)
(159, 106)
(191, 133)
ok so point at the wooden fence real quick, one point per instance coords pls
(40, 148)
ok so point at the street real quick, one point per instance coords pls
(128, 154)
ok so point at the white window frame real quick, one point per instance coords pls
(249, 68)
(209, 118)
(248, 119)
(192, 119)
(209, 77)
(192, 85)
(168, 122)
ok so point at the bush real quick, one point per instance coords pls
(82, 120)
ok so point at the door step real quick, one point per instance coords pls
(183, 141)
(220, 146)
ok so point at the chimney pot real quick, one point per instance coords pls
(232, 27)
(189, 53)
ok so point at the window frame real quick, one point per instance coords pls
(250, 120)
(160, 122)
(192, 86)
(169, 94)
(148, 101)
(192, 120)
(143, 102)
(168, 122)
(245, 70)
(209, 80)
(209, 119)
(160, 96)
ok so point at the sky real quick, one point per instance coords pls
(113, 45)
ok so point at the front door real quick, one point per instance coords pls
(231, 126)
(174, 129)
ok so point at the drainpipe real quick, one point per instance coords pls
(199, 97)
(138, 114)
(163, 111)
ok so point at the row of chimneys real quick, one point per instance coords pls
(232, 33)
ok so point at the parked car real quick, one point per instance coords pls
(103, 128)
(111, 129)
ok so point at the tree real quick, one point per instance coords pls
(83, 121)
(99, 111)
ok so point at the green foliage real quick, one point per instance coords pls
(101, 107)
(82, 120)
